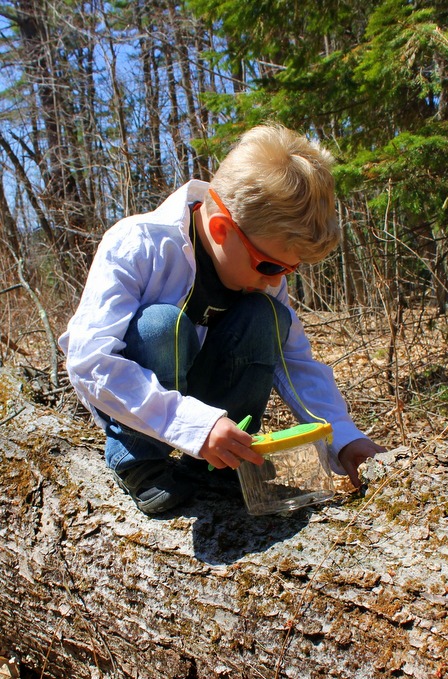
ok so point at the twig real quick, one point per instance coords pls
(4, 339)
(44, 317)
(52, 392)
(10, 417)
(11, 287)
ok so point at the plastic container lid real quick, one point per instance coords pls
(289, 438)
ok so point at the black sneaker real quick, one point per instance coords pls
(155, 486)
(218, 479)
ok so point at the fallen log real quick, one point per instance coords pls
(89, 587)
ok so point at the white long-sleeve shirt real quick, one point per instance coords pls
(149, 259)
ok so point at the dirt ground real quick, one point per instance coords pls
(394, 378)
(396, 387)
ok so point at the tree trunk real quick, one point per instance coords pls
(92, 588)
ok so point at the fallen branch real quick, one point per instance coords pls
(4, 339)
(12, 415)
(90, 587)
(11, 287)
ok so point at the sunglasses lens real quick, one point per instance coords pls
(270, 269)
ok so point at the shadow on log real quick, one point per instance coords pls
(92, 588)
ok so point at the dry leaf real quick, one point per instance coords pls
(9, 669)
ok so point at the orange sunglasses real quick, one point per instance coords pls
(258, 260)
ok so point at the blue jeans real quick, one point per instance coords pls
(233, 370)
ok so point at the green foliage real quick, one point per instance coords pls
(397, 64)
(414, 166)
(251, 27)
(311, 98)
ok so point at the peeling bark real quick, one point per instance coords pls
(92, 588)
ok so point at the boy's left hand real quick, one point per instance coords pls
(355, 453)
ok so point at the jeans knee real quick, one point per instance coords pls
(269, 314)
(156, 322)
(155, 336)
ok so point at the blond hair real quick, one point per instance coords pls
(278, 184)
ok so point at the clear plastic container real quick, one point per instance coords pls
(295, 472)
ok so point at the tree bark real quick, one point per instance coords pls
(90, 587)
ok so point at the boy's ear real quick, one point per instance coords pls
(218, 227)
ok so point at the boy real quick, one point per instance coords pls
(184, 325)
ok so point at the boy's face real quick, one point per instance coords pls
(244, 263)
(236, 266)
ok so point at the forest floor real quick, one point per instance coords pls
(394, 376)
(395, 380)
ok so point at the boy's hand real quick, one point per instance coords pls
(356, 452)
(227, 446)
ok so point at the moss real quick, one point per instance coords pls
(392, 508)
(356, 501)
(396, 508)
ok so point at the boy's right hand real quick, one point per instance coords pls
(228, 446)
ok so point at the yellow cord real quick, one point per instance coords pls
(176, 329)
(285, 368)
